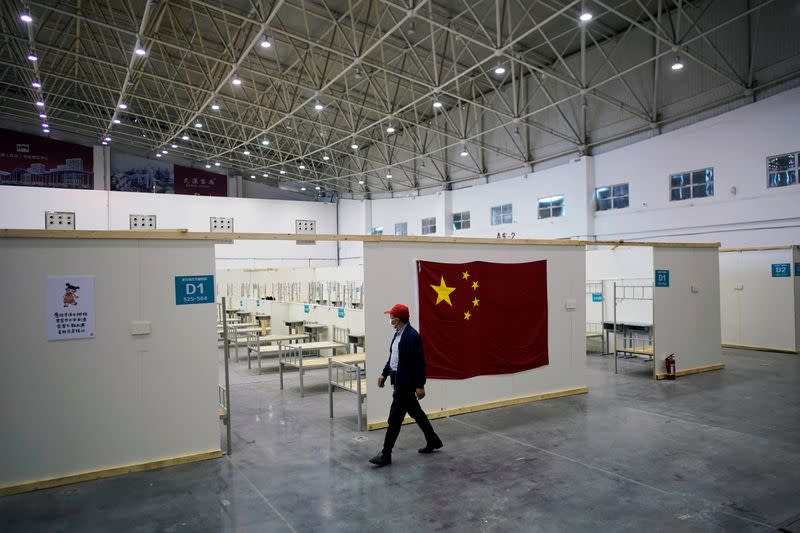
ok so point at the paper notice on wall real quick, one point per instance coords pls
(70, 307)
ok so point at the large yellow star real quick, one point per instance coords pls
(467, 315)
(465, 275)
(475, 302)
(443, 292)
(474, 285)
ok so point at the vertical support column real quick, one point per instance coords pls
(445, 211)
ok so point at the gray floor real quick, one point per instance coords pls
(711, 452)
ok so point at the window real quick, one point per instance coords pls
(611, 197)
(401, 228)
(552, 206)
(377, 230)
(428, 225)
(461, 220)
(501, 214)
(782, 170)
(694, 184)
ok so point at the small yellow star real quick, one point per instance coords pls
(475, 302)
(465, 275)
(443, 292)
(474, 284)
(467, 315)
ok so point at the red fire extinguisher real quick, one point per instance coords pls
(669, 365)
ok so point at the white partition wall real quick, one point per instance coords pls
(390, 277)
(758, 298)
(687, 311)
(85, 406)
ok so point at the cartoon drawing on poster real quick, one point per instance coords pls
(70, 307)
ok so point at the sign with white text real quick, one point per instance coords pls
(194, 290)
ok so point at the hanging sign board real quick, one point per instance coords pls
(70, 307)
(662, 278)
(597, 296)
(306, 309)
(341, 312)
(194, 290)
(781, 270)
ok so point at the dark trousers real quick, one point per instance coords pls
(405, 401)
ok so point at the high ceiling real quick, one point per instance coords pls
(568, 87)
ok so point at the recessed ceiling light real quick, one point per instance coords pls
(123, 106)
(216, 164)
(32, 57)
(36, 84)
(215, 106)
(236, 81)
(117, 121)
(140, 51)
(265, 142)
(325, 157)
(185, 137)
(198, 124)
(39, 103)
(174, 145)
(25, 17)
(265, 43)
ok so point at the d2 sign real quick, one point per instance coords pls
(194, 290)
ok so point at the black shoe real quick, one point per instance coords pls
(431, 447)
(381, 460)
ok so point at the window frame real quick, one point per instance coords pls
(403, 225)
(431, 225)
(504, 217)
(795, 169)
(462, 221)
(550, 199)
(612, 197)
(691, 185)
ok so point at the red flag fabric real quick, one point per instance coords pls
(482, 318)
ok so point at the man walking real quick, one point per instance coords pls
(406, 369)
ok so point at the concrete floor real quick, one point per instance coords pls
(710, 452)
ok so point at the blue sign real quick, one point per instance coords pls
(597, 296)
(306, 309)
(781, 270)
(797, 269)
(662, 278)
(194, 290)
(258, 303)
(341, 312)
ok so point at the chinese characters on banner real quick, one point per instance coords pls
(194, 181)
(70, 307)
(33, 161)
(139, 174)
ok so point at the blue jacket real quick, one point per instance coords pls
(410, 363)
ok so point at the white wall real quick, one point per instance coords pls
(757, 309)
(24, 207)
(387, 212)
(83, 405)
(736, 145)
(352, 221)
(566, 335)
(688, 323)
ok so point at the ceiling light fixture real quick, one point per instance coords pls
(302, 188)
(39, 103)
(103, 143)
(388, 176)
(46, 131)
(174, 145)
(42, 115)
(117, 121)
(140, 51)
(198, 124)
(165, 152)
(265, 142)
(158, 155)
(325, 157)
(36, 85)
(32, 57)
(215, 106)
(361, 182)
(265, 43)
(677, 64)
(354, 146)
(208, 166)
(317, 187)
(301, 166)
(390, 128)
(436, 103)
(44, 125)
(318, 106)
(283, 171)
(185, 137)
(246, 152)
(464, 152)
(123, 106)
(107, 139)
(217, 164)
(252, 176)
(236, 81)
(499, 69)
(25, 17)
(265, 175)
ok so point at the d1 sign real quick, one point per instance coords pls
(194, 290)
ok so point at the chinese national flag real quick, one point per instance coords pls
(482, 318)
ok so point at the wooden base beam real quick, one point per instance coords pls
(758, 348)
(107, 472)
(471, 408)
(695, 370)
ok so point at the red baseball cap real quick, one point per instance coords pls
(399, 311)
